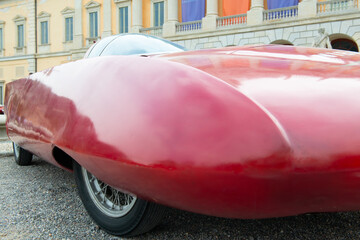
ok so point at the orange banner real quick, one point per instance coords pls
(234, 7)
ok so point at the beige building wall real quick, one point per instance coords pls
(12, 70)
(48, 62)
(56, 22)
(8, 11)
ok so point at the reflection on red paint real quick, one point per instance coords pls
(246, 132)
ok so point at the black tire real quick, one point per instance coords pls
(140, 218)
(22, 156)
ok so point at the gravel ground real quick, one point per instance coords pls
(40, 202)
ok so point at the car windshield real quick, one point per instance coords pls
(133, 44)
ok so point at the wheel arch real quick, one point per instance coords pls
(62, 158)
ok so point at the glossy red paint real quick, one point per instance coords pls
(248, 132)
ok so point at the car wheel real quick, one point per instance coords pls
(22, 156)
(116, 212)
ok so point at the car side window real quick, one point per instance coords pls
(97, 49)
(135, 44)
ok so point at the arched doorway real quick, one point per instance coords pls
(343, 42)
(282, 42)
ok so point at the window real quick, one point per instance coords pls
(2, 23)
(1, 39)
(158, 14)
(123, 15)
(44, 32)
(20, 36)
(124, 19)
(93, 19)
(69, 29)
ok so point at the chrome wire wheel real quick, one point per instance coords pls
(116, 212)
(109, 201)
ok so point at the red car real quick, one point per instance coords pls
(242, 132)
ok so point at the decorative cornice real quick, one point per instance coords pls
(40, 55)
(68, 10)
(92, 4)
(19, 18)
(43, 14)
(14, 58)
(53, 54)
(121, 1)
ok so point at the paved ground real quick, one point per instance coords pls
(40, 202)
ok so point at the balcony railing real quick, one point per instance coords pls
(281, 13)
(155, 31)
(188, 26)
(337, 6)
(231, 21)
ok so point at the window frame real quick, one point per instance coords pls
(93, 24)
(44, 47)
(20, 21)
(1, 38)
(121, 4)
(92, 7)
(20, 36)
(43, 17)
(2, 23)
(123, 20)
(69, 29)
(152, 17)
(68, 13)
(44, 32)
(159, 17)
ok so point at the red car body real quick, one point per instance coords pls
(244, 132)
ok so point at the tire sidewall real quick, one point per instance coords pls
(22, 157)
(115, 225)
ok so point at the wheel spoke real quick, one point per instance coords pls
(92, 178)
(109, 200)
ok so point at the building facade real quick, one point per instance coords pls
(38, 34)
